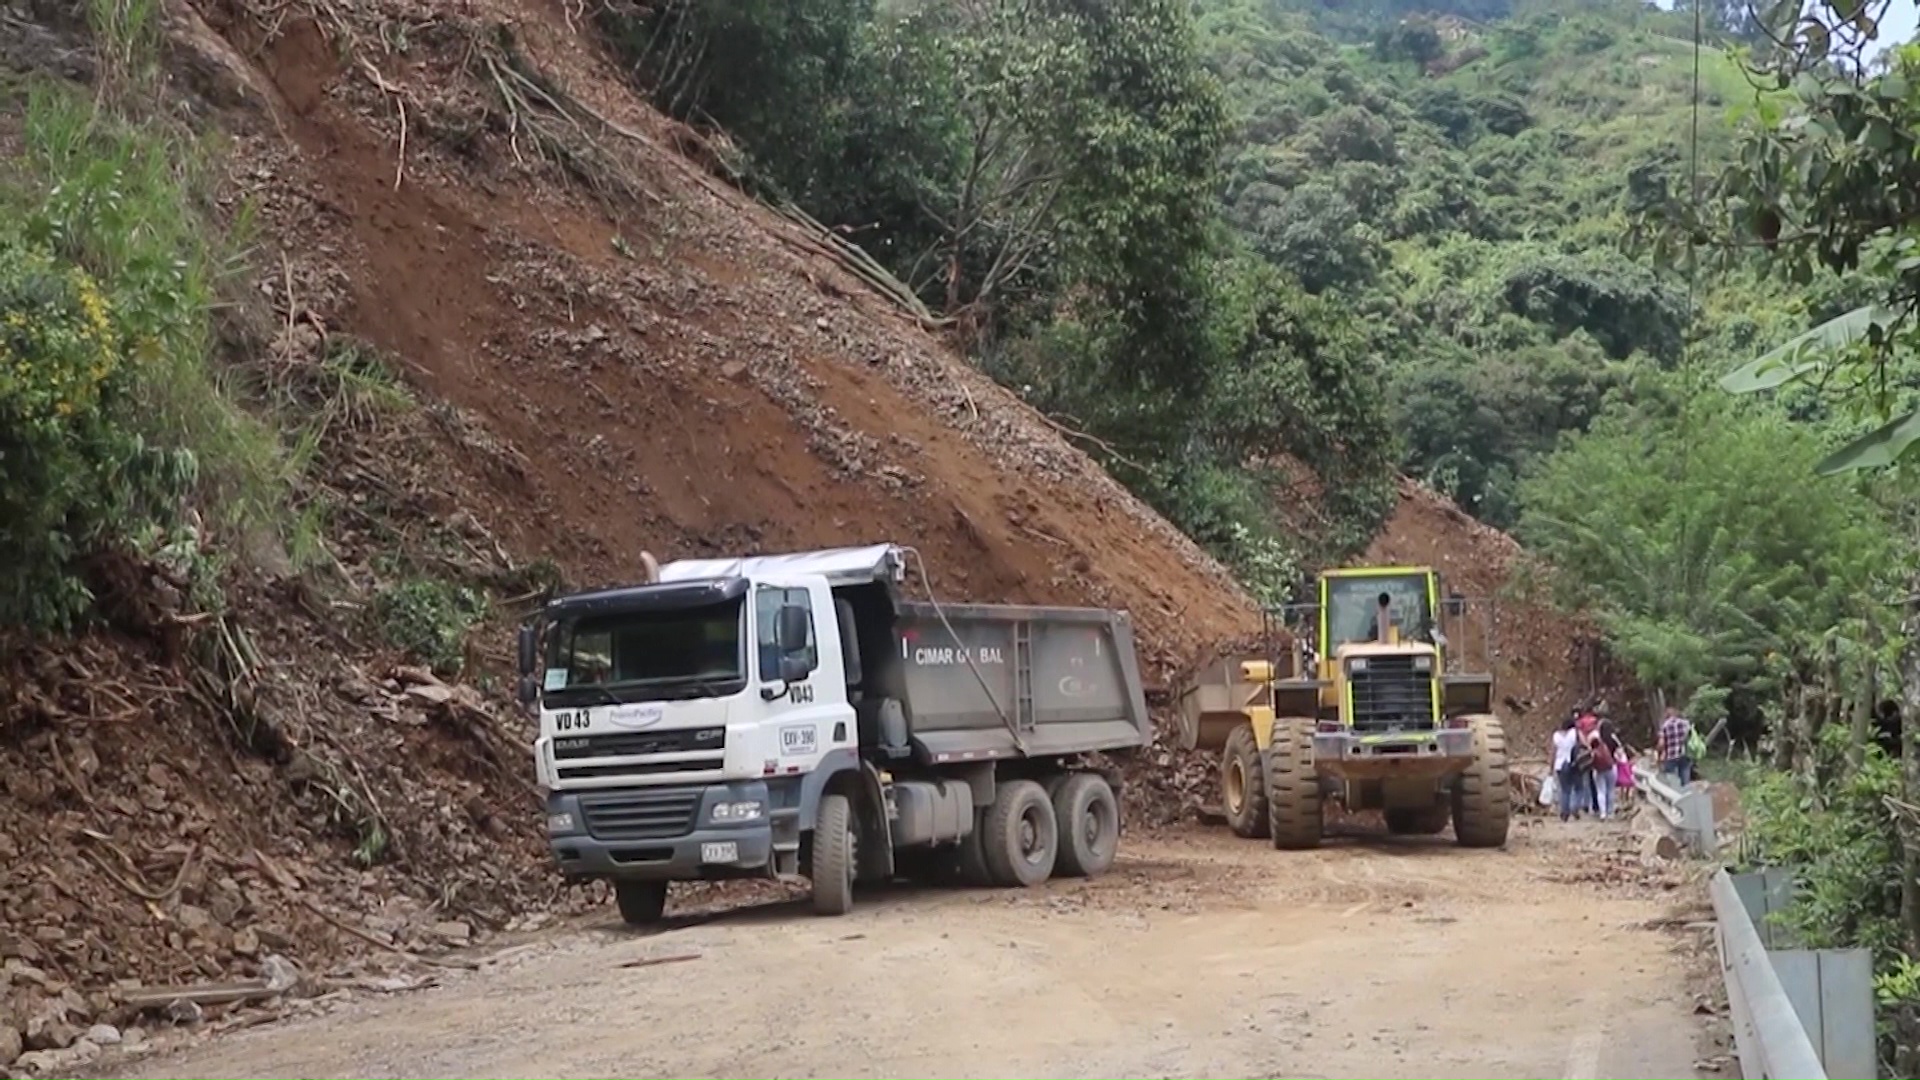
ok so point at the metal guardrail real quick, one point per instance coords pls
(1768, 1033)
(1689, 810)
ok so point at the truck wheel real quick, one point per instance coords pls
(972, 855)
(1293, 786)
(1480, 801)
(1022, 836)
(1089, 819)
(836, 856)
(1417, 820)
(641, 903)
(1243, 784)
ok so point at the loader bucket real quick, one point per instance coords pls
(1214, 701)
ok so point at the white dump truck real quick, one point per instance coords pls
(798, 715)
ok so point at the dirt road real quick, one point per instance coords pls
(1200, 955)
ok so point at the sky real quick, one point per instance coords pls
(1896, 25)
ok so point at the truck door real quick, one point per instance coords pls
(801, 674)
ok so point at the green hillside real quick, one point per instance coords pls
(1465, 184)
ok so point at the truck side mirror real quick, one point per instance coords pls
(529, 691)
(529, 645)
(794, 666)
(790, 629)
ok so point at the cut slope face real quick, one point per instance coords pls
(660, 364)
(1544, 661)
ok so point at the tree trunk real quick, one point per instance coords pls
(1794, 703)
(1863, 714)
(1908, 830)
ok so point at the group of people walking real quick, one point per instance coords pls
(1591, 765)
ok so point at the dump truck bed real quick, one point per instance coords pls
(1012, 681)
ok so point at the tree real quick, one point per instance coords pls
(1703, 541)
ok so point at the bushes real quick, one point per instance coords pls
(430, 618)
(110, 415)
(64, 476)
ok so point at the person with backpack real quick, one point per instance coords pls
(1607, 756)
(1677, 744)
(1584, 727)
(1565, 742)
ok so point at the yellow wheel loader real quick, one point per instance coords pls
(1365, 697)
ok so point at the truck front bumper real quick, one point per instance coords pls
(662, 833)
(1414, 753)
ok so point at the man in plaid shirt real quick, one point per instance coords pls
(1674, 731)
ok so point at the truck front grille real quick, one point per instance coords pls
(639, 815)
(1391, 696)
(631, 743)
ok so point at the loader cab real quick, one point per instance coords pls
(1379, 648)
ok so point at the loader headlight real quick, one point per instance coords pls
(1357, 665)
(1423, 663)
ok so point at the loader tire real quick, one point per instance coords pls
(1294, 818)
(836, 856)
(1480, 800)
(1022, 838)
(1243, 784)
(1418, 820)
(1089, 818)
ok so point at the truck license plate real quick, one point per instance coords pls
(724, 852)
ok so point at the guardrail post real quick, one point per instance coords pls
(1696, 820)
(1768, 1034)
(1689, 810)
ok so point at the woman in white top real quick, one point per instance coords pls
(1564, 740)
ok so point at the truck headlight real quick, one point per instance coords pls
(748, 810)
(559, 823)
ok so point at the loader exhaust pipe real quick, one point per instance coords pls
(649, 568)
(1383, 620)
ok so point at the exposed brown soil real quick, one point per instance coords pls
(1544, 661)
(1200, 955)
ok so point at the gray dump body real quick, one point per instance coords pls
(1019, 681)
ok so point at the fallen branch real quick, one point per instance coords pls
(462, 965)
(653, 961)
(400, 103)
(145, 892)
(159, 997)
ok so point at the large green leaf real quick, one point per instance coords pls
(1804, 353)
(1877, 449)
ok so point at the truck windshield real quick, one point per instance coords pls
(1352, 601)
(649, 655)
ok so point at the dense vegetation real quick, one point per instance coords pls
(112, 424)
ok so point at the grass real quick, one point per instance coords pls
(122, 199)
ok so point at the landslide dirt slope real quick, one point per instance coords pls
(653, 360)
(1544, 661)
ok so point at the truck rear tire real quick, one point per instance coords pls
(641, 903)
(1089, 818)
(1294, 818)
(1417, 820)
(1243, 784)
(1022, 838)
(1480, 801)
(836, 856)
